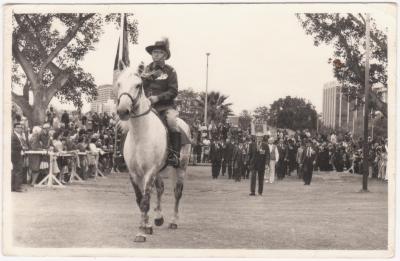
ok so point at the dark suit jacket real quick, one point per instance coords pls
(262, 157)
(228, 151)
(238, 157)
(215, 152)
(307, 161)
(16, 148)
(252, 155)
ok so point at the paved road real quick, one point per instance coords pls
(329, 214)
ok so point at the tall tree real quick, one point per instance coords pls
(46, 51)
(217, 108)
(293, 113)
(187, 105)
(346, 33)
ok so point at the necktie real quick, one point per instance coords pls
(309, 152)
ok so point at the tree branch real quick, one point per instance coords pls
(64, 42)
(26, 66)
(35, 37)
(57, 84)
(372, 35)
(22, 102)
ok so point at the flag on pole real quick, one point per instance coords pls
(124, 55)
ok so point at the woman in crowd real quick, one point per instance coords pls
(35, 159)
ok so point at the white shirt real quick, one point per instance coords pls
(271, 146)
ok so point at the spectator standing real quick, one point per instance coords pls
(35, 159)
(65, 119)
(274, 157)
(17, 147)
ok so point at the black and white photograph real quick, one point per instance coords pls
(227, 129)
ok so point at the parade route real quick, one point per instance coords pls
(329, 214)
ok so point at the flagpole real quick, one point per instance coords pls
(366, 107)
(121, 43)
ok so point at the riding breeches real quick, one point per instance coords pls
(170, 116)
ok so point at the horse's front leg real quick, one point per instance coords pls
(159, 183)
(178, 188)
(143, 201)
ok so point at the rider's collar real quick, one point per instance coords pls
(154, 65)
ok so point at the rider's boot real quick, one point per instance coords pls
(174, 155)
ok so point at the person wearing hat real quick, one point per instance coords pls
(160, 85)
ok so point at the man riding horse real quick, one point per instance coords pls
(160, 85)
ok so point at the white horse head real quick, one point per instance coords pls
(129, 89)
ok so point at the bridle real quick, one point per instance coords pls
(134, 103)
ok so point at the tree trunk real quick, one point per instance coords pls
(38, 115)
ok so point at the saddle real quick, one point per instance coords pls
(185, 139)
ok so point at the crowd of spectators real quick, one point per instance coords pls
(224, 146)
(83, 139)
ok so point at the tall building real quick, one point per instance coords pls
(105, 101)
(338, 112)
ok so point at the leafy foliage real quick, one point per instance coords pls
(292, 113)
(47, 50)
(346, 33)
(217, 108)
(261, 113)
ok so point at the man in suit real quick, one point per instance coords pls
(307, 162)
(262, 158)
(17, 147)
(216, 158)
(227, 158)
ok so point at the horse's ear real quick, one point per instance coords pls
(122, 65)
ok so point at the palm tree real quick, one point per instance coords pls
(217, 109)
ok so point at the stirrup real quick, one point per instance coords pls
(173, 161)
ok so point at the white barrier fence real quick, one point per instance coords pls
(51, 180)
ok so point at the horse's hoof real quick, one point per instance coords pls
(148, 230)
(140, 238)
(173, 226)
(159, 221)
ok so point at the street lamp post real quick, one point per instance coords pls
(206, 97)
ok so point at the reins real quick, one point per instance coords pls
(134, 103)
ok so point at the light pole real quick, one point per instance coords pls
(206, 97)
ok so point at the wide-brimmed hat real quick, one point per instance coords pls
(162, 45)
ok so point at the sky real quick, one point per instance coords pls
(258, 54)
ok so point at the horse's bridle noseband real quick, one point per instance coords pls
(134, 103)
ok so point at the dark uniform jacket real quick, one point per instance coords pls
(307, 160)
(228, 152)
(16, 148)
(262, 157)
(252, 153)
(161, 81)
(238, 157)
(215, 152)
